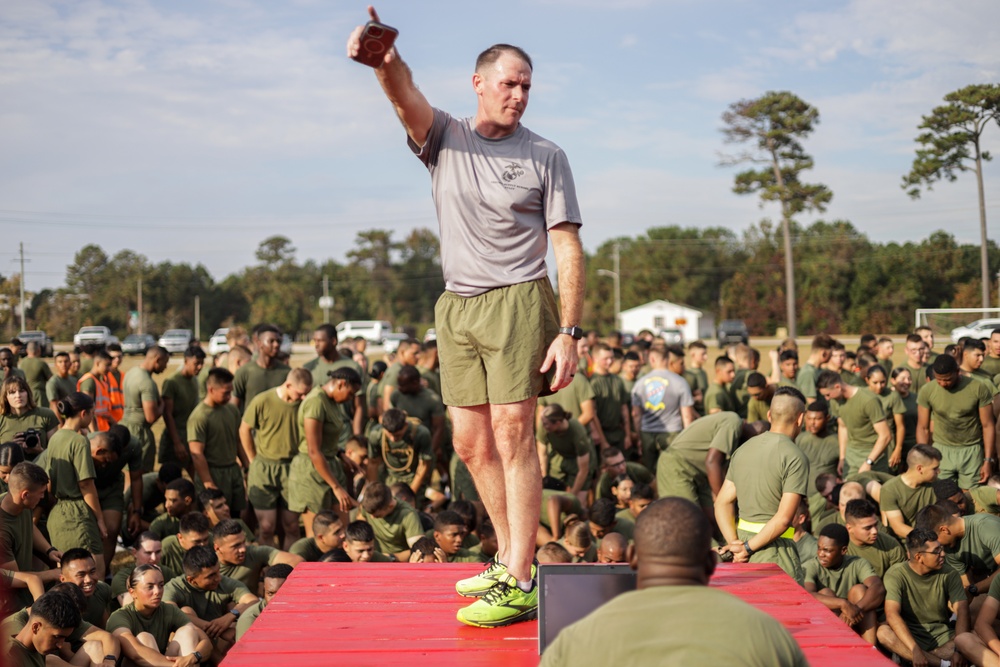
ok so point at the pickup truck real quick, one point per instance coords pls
(39, 337)
(100, 336)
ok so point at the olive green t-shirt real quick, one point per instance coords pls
(852, 379)
(718, 398)
(860, 414)
(400, 459)
(207, 605)
(111, 473)
(763, 469)
(564, 449)
(248, 572)
(924, 601)
(14, 623)
(58, 388)
(757, 410)
(138, 387)
(165, 620)
(69, 463)
(719, 431)
(183, 391)
(739, 391)
(978, 548)
(16, 535)
(637, 472)
(986, 499)
(425, 405)
(37, 373)
(276, 424)
(806, 546)
(823, 452)
(393, 530)
(572, 396)
(991, 365)
(919, 375)
(697, 379)
(306, 549)
(98, 604)
(320, 369)
(897, 496)
(172, 555)
(18, 654)
(331, 416)
(886, 552)
(548, 493)
(165, 525)
(248, 617)
(955, 411)
(628, 630)
(251, 380)
(893, 405)
(218, 429)
(806, 379)
(852, 571)
(39, 418)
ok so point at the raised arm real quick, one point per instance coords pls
(396, 80)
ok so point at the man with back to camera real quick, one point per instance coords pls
(501, 192)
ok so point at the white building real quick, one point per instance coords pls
(660, 314)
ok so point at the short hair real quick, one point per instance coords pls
(822, 342)
(859, 509)
(914, 338)
(922, 454)
(643, 492)
(299, 377)
(194, 522)
(867, 339)
(169, 471)
(107, 439)
(359, 531)
(945, 488)
(995, 332)
(279, 571)
(553, 552)
(466, 510)
(73, 591)
(835, 532)
(554, 412)
(818, 406)
(602, 512)
(27, 475)
(486, 530)
(493, 53)
(102, 355)
(756, 379)
(122, 437)
(828, 379)
(208, 494)
(323, 521)
(393, 420)
(632, 356)
(57, 609)
(873, 369)
(408, 373)
(609, 453)
(786, 406)
(945, 364)
(264, 327)
(147, 536)
(724, 361)
(218, 377)
(448, 518)
(788, 354)
(198, 558)
(676, 352)
(823, 479)
(973, 343)
(225, 528)
(917, 539)
(697, 345)
(193, 352)
(61, 354)
(182, 486)
(932, 517)
(347, 374)
(337, 555)
(673, 528)
(600, 347)
(425, 545)
(329, 330)
(75, 554)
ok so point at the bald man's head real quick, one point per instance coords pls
(613, 549)
(673, 529)
(850, 491)
(786, 409)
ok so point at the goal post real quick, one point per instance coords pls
(943, 320)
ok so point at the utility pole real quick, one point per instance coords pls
(23, 308)
(197, 317)
(138, 305)
(326, 299)
(616, 277)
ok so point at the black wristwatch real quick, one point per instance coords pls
(574, 331)
(972, 590)
(198, 657)
(235, 612)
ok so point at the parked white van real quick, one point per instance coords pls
(373, 331)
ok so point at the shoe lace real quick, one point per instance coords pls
(499, 591)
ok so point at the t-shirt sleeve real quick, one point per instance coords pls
(874, 410)
(812, 573)
(422, 440)
(889, 498)
(924, 395)
(82, 461)
(428, 153)
(119, 619)
(234, 588)
(985, 395)
(252, 414)
(197, 427)
(175, 618)
(240, 384)
(797, 476)
(175, 594)
(52, 389)
(956, 591)
(863, 569)
(411, 525)
(312, 409)
(995, 589)
(894, 584)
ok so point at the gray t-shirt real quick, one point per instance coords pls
(660, 395)
(495, 200)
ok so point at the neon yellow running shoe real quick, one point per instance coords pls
(504, 604)
(479, 585)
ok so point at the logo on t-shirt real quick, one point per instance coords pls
(656, 389)
(512, 172)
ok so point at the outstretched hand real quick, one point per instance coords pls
(354, 41)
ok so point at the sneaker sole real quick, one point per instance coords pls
(475, 593)
(528, 615)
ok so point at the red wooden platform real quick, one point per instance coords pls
(394, 614)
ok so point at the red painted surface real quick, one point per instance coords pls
(395, 614)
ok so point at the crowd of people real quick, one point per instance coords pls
(872, 485)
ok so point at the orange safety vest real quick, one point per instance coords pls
(116, 396)
(102, 401)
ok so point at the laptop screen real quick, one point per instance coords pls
(568, 592)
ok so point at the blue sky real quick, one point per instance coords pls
(190, 131)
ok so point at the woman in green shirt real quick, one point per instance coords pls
(878, 382)
(76, 519)
(153, 633)
(18, 413)
(902, 384)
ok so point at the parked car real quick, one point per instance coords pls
(672, 336)
(286, 344)
(100, 336)
(39, 337)
(217, 343)
(980, 329)
(733, 331)
(175, 341)
(373, 331)
(138, 343)
(391, 342)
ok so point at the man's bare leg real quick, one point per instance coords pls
(266, 523)
(472, 436)
(515, 443)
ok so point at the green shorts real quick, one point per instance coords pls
(961, 463)
(307, 490)
(71, 524)
(229, 480)
(267, 482)
(652, 445)
(676, 475)
(112, 496)
(781, 552)
(165, 452)
(142, 433)
(493, 345)
(856, 456)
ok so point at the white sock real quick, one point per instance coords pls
(526, 586)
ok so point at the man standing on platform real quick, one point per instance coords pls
(501, 193)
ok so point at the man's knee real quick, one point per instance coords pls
(148, 640)
(857, 592)
(886, 636)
